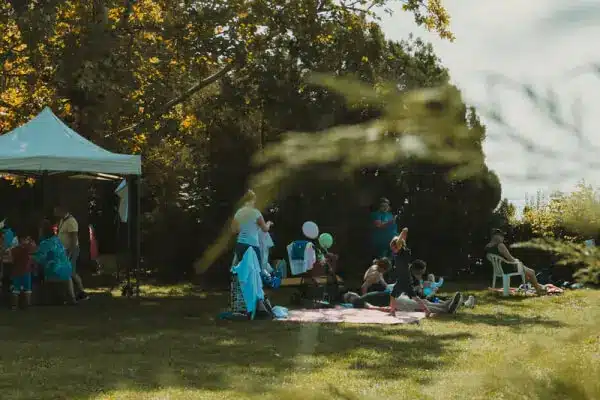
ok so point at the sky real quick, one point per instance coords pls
(548, 44)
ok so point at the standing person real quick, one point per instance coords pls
(53, 260)
(496, 246)
(384, 229)
(247, 223)
(68, 233)
(22, 269)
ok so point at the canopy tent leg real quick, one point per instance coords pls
(134, 232)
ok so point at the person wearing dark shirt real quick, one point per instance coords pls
(409, 279)
(385, 302)
(408, 292)
(372, 300)
(496, 246)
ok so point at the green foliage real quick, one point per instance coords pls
(560, 224)
(504, 215)
(421, 127)
(141, 76)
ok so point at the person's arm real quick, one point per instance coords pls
(72, 239)
(265, 226)
(235, 226)
(423, 305)
(363, 288)
(505, 253)
(376, 308)
(382, 280)
(71, 231)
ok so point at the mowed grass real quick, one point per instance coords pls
(171, 347)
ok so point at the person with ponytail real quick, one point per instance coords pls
(248, 221)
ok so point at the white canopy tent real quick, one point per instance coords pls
(46, 145)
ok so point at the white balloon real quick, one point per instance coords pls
(310, 230)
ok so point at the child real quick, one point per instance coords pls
(21, 271)
(373, 278)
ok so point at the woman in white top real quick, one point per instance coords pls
(247, 223)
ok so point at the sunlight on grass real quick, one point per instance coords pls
(111, 348)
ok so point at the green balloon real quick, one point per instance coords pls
(326, 240)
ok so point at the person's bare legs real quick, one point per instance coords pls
(71, 292)
(78, 282)
(530, 276)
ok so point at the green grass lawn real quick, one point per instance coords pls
(170, 347)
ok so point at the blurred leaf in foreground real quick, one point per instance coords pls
(423, 125)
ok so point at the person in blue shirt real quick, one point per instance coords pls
(52, 258)
(384, 229)
(247, 223)
(8, 237)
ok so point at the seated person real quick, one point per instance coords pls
(408, 290)
(373, 278)
(385, 302)
(430, 284)
(496, 246)
(52, 258)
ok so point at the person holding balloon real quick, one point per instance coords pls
(384, 229)
(248, 221)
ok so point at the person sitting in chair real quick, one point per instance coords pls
(496, 246)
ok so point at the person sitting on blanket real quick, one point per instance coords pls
(373, 278)
(385, 302)
(409, 287)
(496, 246)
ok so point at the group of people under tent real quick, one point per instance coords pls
(41, 252)
(408, 293)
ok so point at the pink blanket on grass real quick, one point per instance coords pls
(353, 316)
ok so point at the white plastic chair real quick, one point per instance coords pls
(497, 262)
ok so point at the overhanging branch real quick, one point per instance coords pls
(182, 97)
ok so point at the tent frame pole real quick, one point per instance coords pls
(134, 227)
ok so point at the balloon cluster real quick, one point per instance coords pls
(311, 231)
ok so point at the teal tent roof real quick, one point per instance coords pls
(46, 144)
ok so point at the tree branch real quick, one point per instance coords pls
(182, 97)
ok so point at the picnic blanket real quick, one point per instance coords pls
(529, 291)
(352, 316)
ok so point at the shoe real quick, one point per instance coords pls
(470, 303)
(83, 296)
(455, 303)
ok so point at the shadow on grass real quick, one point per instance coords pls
(514, 321)
(112, 344)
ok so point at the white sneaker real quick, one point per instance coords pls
(470, 303)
